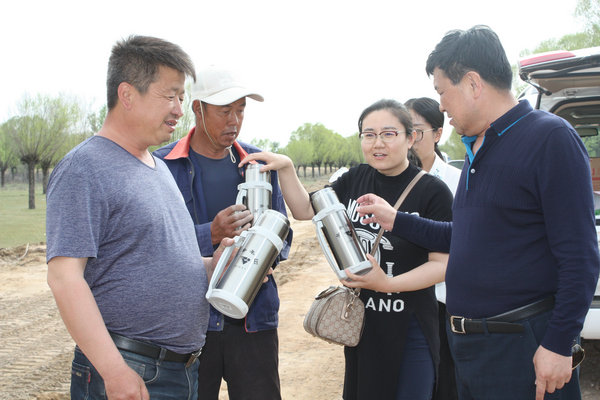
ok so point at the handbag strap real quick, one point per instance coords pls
(397, 206)
(356, 291)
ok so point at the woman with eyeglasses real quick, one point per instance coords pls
(428, 122)
(397, 356)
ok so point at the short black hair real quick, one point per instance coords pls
(478, 49)
(399, 111)
(136, 60)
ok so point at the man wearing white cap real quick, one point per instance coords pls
(204, 164)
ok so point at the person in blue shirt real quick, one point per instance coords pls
(523, 248)
(204, 163)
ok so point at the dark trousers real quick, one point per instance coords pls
(248, 362)
(446, 379)
(417, 371)
(499, 366)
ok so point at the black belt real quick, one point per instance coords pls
(501, 323)
(153, 351)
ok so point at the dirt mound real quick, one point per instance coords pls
(23, 255)
(36, 351)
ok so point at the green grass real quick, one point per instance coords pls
(18, 224)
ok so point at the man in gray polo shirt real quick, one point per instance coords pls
(123, 262)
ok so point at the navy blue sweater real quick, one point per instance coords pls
(523, 225)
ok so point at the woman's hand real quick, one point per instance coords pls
(375, 279)
(293, 191)
(383, 213)
(273, 161)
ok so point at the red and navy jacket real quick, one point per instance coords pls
(263, 312)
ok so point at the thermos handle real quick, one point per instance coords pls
(272, 237)
(220, 267)
(242, 193)
(255, 185)
(243, 189)
(317, 219)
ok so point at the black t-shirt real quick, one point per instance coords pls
(372, 367)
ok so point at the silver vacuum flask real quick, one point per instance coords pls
(255, 192)
(337, 235)
(232, 289)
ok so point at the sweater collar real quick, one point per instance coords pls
(514, 115)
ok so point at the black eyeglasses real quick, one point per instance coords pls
(578, 355)
(420, 133)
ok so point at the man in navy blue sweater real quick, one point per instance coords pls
(523, 248)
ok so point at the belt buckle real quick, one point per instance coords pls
(462, 324)
(193, 357)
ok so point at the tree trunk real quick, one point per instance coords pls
(45, 177)
(31, 177)
(2, 177)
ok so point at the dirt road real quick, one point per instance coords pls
(36, 350)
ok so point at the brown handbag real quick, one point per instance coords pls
(337, 313)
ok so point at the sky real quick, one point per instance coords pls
(314, 61)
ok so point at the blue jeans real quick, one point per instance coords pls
(499, 366)
(164, 379)
(417, 373)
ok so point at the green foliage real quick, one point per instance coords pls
(592, 144)
(38, 134)
(313, 145)
(266, 145)
(588, 11)
(8, 158)
(21, 225)
(454, 147)
(95, 120)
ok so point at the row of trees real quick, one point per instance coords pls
(43, 131)
(39, 136)
(313, 145)
(46, 128)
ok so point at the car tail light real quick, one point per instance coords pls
(545, 57)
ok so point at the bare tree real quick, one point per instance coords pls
(40, 131)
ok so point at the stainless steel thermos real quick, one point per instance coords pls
(337, 235)
(231, 290)
(255, 192)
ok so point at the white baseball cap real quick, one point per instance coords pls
(218, 86)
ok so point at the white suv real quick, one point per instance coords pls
(567, 83)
